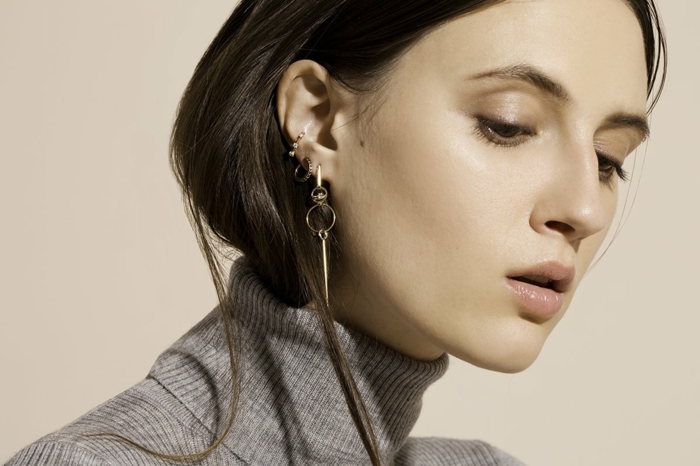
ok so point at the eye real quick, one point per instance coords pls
(502, 134)
(608, 167)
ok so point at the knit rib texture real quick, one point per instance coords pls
(291, 410)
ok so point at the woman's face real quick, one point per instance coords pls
(488, 155)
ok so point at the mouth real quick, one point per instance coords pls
(537, 280)
(540, 289)
(549, 275)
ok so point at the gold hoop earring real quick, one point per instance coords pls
(301, 179)
(295, 146)
(319, 195)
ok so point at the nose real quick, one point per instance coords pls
(573, 202)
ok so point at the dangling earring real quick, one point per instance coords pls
(319, 195)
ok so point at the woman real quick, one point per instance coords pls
(404, 180)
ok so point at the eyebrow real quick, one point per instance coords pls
(548, 85)
(638, 123)
(531, 75)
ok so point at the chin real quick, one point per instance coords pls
(513, 365)
(507, 351)
(507, 364)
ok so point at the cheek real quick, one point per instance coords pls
(428, 213)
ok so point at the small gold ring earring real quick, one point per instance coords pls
(301, 179)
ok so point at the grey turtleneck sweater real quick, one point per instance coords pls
(291, 410)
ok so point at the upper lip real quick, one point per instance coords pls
(561, 276)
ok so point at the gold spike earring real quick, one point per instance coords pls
(319, 195)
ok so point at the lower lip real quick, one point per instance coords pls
(539, 301)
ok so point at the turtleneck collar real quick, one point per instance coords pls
(291, 409)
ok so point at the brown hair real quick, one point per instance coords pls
(228, 152)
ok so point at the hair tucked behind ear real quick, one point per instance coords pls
(228, 153)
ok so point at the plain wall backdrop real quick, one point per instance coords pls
(100, 271)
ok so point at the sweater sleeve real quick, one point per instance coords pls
(55, 454)
(504, 459)
(431, 451)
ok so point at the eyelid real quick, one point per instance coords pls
(484, 128)
(604, 149)
(504, 122)
(622, 174)
(609, 157)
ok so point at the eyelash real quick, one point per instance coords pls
(492, 131)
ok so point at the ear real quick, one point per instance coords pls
(308, 102)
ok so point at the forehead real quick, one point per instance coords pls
(593, 47)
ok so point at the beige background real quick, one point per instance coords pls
(100, 271)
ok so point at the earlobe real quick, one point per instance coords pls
(307, 104)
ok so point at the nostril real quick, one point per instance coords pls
(561, 227)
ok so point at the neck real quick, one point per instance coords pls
(290, 403)
(379, 320)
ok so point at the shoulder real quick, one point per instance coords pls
(55, 453)
(146, 413)
(433, 451)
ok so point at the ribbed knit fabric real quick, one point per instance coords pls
(291, 410)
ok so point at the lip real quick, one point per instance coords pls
(544, 302)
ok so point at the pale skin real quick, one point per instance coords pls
(449, 177)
